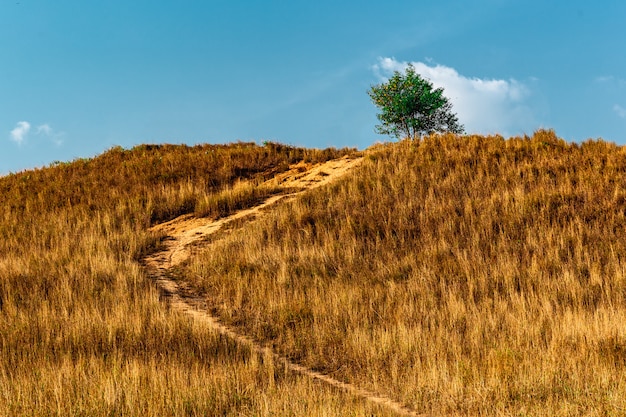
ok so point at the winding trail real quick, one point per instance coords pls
(186, 231)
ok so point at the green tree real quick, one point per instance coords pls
(410, 107)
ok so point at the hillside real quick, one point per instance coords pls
(457, 275)
(453, 275)
(83, 330)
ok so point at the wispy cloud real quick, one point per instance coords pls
(23, 129)
(620, 111)
(611, 80)
(44, 129)
(48, 132)
(20, 132)
(482, 105)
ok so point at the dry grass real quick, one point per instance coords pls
(82, 330)
(461, 275)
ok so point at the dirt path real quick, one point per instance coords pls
(186, 231)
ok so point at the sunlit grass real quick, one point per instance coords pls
(465, 275)
(82, 329)
(460, 275)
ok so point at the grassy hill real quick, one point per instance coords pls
(82, 330)
(459, 275)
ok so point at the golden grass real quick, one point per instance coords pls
(82, 330)
(462, 275)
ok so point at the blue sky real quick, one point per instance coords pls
(78, 77)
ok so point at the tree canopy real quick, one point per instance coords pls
(411, 107)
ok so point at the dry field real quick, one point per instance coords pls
(182, 237)
(82, 329)
(456, 275)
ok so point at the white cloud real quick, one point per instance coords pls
(20, 132)
(482, 105)
(44, 129)
(50, 133)
(620, 111)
